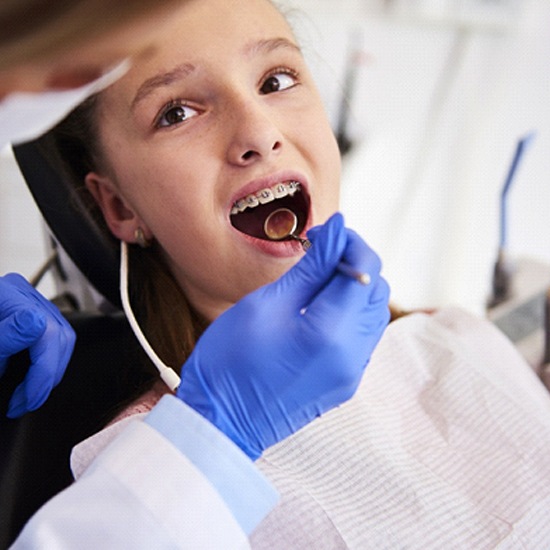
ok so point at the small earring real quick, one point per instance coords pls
(141, 239)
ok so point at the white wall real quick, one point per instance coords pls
(437, 109)
(439, 105)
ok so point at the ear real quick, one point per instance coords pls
(121, 219)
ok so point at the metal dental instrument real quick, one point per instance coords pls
(282, 223)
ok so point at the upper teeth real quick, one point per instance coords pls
(266, 195)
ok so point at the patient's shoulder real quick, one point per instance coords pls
(144, 403)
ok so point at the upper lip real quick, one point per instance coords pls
(270, 180)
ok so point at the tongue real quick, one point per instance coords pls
(252, 220)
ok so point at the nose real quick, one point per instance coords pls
(255, 135)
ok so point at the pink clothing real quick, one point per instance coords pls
(144, 403)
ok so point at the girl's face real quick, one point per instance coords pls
(224, 110)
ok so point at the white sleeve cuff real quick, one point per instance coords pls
(245, 490)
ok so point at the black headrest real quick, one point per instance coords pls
(68, 219)
(107, 369)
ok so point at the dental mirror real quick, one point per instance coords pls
(282, 223)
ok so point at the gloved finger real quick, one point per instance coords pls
(54, 349)
(49, 359)
(15, 282)
(351, 305)
(302, 282)
(380, 293)
(342, 289)
(360, 256)
(21, 402)
(345, 305)
(18, 332)
(58, 344)
(30, 295)
(361, 333)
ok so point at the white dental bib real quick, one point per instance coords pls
(445, 445)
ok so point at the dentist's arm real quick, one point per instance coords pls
(282, 356)
(29, 321)
(145, 490)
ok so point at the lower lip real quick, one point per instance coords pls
(278, 249)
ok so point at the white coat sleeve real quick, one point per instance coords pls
(171, 481)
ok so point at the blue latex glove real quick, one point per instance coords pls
(28, 320)
(267, 366)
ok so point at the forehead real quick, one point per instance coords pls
(207, 29)
(206, 37)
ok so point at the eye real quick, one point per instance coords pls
(175, 113)
(278, 81)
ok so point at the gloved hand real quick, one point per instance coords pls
(28, 320)
(293, 349)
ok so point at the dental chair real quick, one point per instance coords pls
(35, 449)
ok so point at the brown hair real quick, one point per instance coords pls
(171, 325)
(36, 30)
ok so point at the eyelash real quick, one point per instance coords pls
(179, 103)
(166, 109)
(281, 70)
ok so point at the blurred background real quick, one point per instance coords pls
(429, 99)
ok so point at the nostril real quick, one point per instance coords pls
(250, 154)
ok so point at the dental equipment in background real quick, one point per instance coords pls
(544, 368)
(282, 223)
(522, 310)
(355, 58)
(546, 355)
(501, 272)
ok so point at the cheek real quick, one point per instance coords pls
(327, 163)
(176, 204)
(173, 215)
(154, 183)
(319, 138)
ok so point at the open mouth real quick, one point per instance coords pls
(249, 214)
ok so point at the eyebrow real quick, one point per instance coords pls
(264, 46)
(270, 44)
(160, 80)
